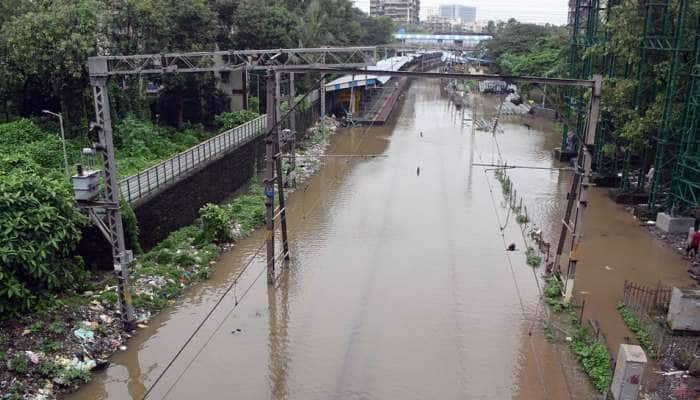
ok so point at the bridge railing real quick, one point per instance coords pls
(145, 182)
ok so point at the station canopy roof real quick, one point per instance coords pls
(388, 64)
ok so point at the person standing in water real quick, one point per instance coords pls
(694, 243)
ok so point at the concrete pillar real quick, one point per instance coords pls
(629, 370)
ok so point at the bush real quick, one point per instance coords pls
(594, 358)
(642, 334)
(19, 133)
(215, 223)
(39, 228)
(231, 120)
(254, 104)
(47, 153)
(140, 144)
(249, 209)
(303, 106)
(533, 259)
(19, 364)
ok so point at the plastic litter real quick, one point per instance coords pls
(143, 317)
(84, 334)
(35, 358)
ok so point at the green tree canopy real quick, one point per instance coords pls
(39, 228)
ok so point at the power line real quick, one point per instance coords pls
(211, 336)
(201, 324)
(541, 294)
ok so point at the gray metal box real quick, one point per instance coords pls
(86, 186)
(629, 370)
(684, 310)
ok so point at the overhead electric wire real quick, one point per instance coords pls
(517, 288)
(216, 330)
(201, 324)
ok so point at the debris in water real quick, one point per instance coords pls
(84, 334)
(511, 247)
(607, 267)
(100, 366)
(122, 348)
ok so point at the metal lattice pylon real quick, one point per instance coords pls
(585, 20)
(685, 186)
(673, 39)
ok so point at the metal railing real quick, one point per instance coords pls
(153, 178)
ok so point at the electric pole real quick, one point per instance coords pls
(109, 202)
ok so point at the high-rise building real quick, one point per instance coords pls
(457, 12)
(400, 11)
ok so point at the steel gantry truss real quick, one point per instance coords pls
(105, 210)
(233, 60)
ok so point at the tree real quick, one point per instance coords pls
(269, 26)
(153, 26)
(44, 53)
(39, 228)
(379, 30)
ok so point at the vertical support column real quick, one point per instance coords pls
(589, 142)
(322, 95)
(121, 257)
(278, 95)
(292, 94)
(270, 140)
(352, 101)
(293, 128)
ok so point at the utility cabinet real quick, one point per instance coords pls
(86, 185)
(629, 370)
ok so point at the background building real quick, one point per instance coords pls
(457, 12)
(400, 11)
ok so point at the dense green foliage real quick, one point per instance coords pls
(528, 49)
(140, 144)
(532, 258)
(44, 46)
(215, 223)
(230, 120)
(39, 227)
(642, 334)
(185, 255)
(593, 356)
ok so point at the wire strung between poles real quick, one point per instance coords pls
(517, 288)
(201, 324)
(218, 327)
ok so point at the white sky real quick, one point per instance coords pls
(536, 11)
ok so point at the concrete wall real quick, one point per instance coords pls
(178, 205)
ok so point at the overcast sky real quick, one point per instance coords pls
(552, 11)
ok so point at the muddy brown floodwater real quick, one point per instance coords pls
(398, 288)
